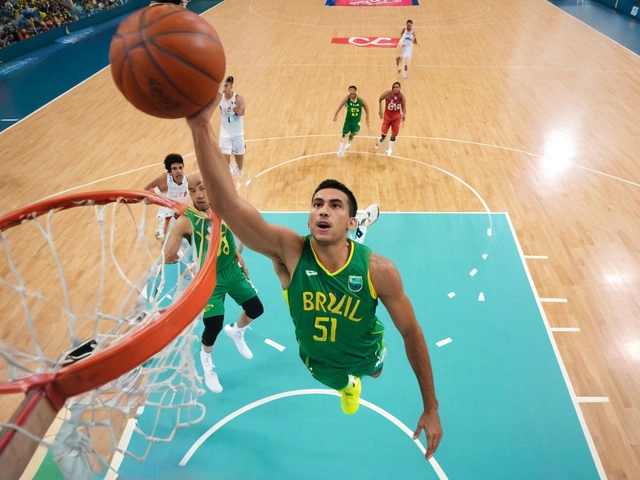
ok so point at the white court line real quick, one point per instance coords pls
(536, 257)
(563, 369)
(565, 329)
(275, 345)
(444, 342)
(313, 391)
(437, 139)
(553, 300)
(592, 399)
(118, 456)
(9, 119)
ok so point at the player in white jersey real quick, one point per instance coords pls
(173, 185)
(407, 39)
(232, 126)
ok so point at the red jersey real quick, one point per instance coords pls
(393, 104)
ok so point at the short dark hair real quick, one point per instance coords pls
(396, 83)
(330, 183)
(229, 80)
(352, 86)
(410, 21)
(171, 159)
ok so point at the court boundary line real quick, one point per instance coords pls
(565, 375)
(311, 391)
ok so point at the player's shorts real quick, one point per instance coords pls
(337, 378)
(352, 127)
(407, 51)
(233, 145)
(394, 124)
(164, 212)
(231, 281)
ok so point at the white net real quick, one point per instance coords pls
(75, 282)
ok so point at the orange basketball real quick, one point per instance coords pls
(167, 61)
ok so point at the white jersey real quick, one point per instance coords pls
(231, 125)
(177, 192)
(174, 192)
(407, 42)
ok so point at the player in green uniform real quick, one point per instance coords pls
(351, 126)
(231, 278)
(333, 284)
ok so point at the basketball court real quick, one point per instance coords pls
(529, 313)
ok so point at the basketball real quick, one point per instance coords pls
(167, 61)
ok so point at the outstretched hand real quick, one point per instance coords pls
(205, 114)
(429, 422)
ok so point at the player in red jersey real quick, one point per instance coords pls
(395, 109)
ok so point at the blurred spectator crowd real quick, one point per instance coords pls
(21, 19)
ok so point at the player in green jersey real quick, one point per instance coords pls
(351, 126)
(231, 278)
(333, 283)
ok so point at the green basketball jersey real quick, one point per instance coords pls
(354, 110)
(201, 226)
(334, 313)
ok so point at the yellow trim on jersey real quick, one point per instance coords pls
(341, 268)
(286, 297)
(372, 289)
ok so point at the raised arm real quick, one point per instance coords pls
(342, 104)
(181, 229)
(160, 182)
(239, 108)
(388, 284)
(243, 219)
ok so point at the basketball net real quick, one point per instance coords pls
(97, 326)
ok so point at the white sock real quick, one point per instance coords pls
(391, 142)
(341, 145)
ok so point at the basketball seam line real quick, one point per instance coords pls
(182, 60)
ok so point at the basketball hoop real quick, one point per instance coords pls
(126, 342)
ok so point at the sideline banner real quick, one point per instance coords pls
(376, 42)
(371, 3)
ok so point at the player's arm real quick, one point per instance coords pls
(381, 101)
(340, 107)
(388, 284)
(403, 104)
(239, 108)
(242, 218)
(160, 182)
(401, 35)
(365, 107)
(415, 39)
(181, 229)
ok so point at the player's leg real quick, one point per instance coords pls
(365, 219)
(244, 294)
(238, 148)
(355, 128)
(338, 379)
(395, 129)
(383, 132)
(407, 61)
(346, 128)
(226, 145)
(212, 327)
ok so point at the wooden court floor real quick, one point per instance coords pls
(511, 106)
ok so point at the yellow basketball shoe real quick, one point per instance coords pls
(350, 397)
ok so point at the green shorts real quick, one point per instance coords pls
(352, 127)
(234, 282)
(338, 378)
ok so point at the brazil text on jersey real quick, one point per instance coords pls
(317, 300)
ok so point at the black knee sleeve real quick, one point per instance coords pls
(212, 327)
(253, 308)
(392, 139)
